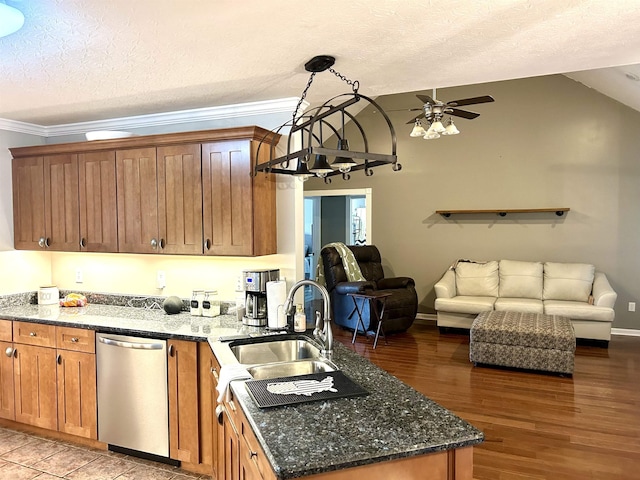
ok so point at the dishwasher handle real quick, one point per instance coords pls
(134, 345)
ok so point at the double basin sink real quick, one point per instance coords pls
(280, 356)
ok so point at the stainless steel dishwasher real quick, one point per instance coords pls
(133, 405)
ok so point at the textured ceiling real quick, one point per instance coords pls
(80, 60)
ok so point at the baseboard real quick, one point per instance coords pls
(629, 332)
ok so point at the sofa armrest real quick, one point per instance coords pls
(446, 286)
(354, 287)
(603, 294)
(395, 282)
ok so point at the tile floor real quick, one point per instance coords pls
(25, 456)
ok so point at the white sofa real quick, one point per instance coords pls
(573, 290)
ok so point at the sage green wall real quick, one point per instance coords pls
(545, 142)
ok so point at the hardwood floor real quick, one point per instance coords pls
(536, 425)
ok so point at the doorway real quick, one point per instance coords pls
(334, 216)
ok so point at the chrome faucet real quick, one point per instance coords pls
(322, 332)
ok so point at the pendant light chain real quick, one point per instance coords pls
(303, 96)
(355, 84)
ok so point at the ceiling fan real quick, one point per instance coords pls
(433, 111)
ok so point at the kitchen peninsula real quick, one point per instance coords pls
(393, 432)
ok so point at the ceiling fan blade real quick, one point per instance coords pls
(426, 99)
(462, 113)
(471, 101)
(417, 118)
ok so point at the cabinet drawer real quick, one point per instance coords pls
(6, 333)
(76, 339)
(34, 334)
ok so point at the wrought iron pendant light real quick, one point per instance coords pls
(328, 162)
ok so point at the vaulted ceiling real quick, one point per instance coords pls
(80, 60)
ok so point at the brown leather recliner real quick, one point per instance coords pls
(401, 307)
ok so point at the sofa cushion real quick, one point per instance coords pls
(568, 281)
(477, 279)
(465, 304)
(579, 310)
(524, 305)
(520, 279)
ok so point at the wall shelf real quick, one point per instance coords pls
(503, 212)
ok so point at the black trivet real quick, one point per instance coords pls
(338, 381)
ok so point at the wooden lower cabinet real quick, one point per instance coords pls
(48, 387)
(35, 386)
(77, 405)
(7, 405)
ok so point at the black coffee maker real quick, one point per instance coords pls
(255, 301)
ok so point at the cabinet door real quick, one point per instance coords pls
(28, 202)
(77, 401)
(227, 193)
(98, 212)
(183, 401)
(34, 371)
(7, 406)
(180, 199)
(231, 450)
(62, 224)
(206, 403)
(137, 200)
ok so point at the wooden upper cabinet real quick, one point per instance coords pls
(239, 209)
(180, 193)
(137, 197)
(28, 202)
(62, 225)
(180, 199)
(98, 212)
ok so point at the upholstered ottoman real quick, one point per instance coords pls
(523, 340)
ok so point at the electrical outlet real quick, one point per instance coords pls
(632, 306)
(78, 275)
(161, 280)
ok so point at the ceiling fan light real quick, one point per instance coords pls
(431, 135)
(320, 166)
(418, 130)
(451, 129)
(437, 127)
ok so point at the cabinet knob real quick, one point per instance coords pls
(214, 372)
(59, 359)
(154, 243)
(83, 243)
(171, 350)
(32, 334)
(253, 454)
(207, 244)
(162, 243)
(43, 242)
(9, 352)
(74, 339)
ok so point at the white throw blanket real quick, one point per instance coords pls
(229, 373)
(349, 262)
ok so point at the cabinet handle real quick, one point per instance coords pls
(83, 243)
(207, 244)
(253, 454)
(171, 350)
(43, 242)
(59, 359)
(220, 414)
(33, 334)
(74, 339)
(9, 352)
(154, 243)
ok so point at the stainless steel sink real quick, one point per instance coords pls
(290, 369)
(274, 351)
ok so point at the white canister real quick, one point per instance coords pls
(197, 297)
(48, 295)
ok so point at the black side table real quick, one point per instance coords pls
(372, 297)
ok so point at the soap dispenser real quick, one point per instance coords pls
(300, 319)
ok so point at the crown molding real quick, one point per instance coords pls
(269, 107)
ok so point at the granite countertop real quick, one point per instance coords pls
(393, 421)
